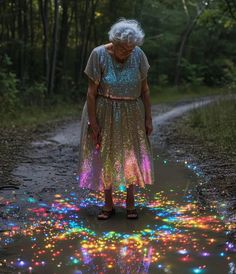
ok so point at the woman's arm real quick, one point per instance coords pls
(91, 101)
(145, 92)
(145, 95)
(91, 104)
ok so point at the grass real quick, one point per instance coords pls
(32, 117)
(214, 126)
(174, 94)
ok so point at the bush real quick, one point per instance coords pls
(34, 95)
(163, 80)
(193, 73)
(8, 88)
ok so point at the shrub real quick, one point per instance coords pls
(8, 87)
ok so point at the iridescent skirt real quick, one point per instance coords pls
(125, 156)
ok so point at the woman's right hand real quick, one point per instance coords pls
(96, 133)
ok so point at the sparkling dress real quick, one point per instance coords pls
(125, 155)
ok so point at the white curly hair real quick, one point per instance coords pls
(128, 31)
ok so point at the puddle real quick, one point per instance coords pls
(56, 230)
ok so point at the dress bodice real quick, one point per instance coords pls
(114, 78)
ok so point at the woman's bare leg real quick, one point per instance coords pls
(108, 208)
(108, 199)
(130, 197)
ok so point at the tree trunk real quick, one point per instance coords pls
(13, 27)
(90, 25)
(63, 39)
(86, 27)
(182, 44)
(26, 36)
(81, 47)
(32, 58)
(20, 40)
(54, 48)
(44, 14)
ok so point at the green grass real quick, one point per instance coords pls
(214, 126)
(32, 117)
(173, 94)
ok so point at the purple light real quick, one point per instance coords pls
(230, 245)
(21, 263)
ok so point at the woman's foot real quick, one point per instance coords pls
(105, 214)
(131, 213)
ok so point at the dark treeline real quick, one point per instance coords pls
(45, 44)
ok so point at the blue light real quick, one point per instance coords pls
(198, 270)
(122, 188)
(182, 251)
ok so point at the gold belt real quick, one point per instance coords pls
(117, 97)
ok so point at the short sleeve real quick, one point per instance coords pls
(144, 65)
(93, 69)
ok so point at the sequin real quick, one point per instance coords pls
(125, 155)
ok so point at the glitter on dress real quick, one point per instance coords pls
(125, 154)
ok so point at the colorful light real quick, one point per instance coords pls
(198, 270)
(61, 227)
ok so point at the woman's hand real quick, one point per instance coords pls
(96, 133)
(148, 126)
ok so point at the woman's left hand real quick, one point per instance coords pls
(148, 126)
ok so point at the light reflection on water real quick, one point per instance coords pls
(172, 234)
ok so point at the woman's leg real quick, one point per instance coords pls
(108, 199)
(131, 210)
(108, 208)
(130, 197)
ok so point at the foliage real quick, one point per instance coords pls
(193, 73)
(198, 47)
(34, 95)
(8, 87)
(163, 80)
(229, 70)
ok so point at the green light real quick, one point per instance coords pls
(75, 261)
(31, 200)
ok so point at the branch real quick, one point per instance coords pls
(230, 9)
(185, 8)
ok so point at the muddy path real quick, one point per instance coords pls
(48, 225)
(52, 158)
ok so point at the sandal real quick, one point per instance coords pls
(105, 214)
(132, 213)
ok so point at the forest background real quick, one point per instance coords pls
(44, 46)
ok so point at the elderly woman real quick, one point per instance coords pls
(115, 152)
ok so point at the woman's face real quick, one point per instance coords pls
(123, 50)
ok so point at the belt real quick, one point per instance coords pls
(109, 96)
